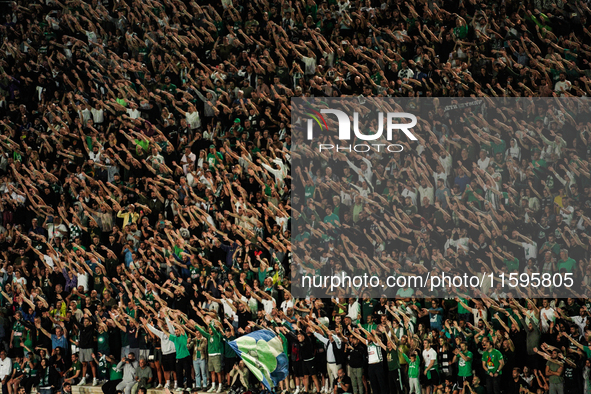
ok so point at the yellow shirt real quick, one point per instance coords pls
(128, 217)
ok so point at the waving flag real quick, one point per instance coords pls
(262, 352)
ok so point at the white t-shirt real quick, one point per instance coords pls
(5, 367)
(374, 353)
(446, 163)
(429, 355)
(309, 65)
(546, 316)
(59, 231)
(426, 192)
(286, 305)
(580, 321)
(282, 221)
(92, 37)
(191, 158)
(483, 164)
(531, 250)
(228, 310)
(409, 193)
(253, 304)
(354, 311)
(479, 314)
(267, 305)
(193, 120)
(85, 115)
(98, 115)
(562, 85)
(83, 281)
(133, 113)
(48, 261)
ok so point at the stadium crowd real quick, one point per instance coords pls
(146, 188)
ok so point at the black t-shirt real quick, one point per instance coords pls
(513, 386)
(58, 364)
(244, 318)
(570, 373)
(357, 356)
(341, 382)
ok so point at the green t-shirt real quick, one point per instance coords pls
(553, 248)
(512, 265)
(214, 341)
(114, 374)
(498, 148)
(414, 367)
(31, 370)
(492, 361)
(28, 341)
(479, 390)
(103, 343)
(461, 309)
(302, 236)
(250, 276)
(554, 367)
(143, 143)
(77, 366)
(180, 344)
(568, 264)
(393, 360)
(194, 270)
(19, 331)
(332, 219)
(228, 351)
(465, 366)
(214, 160)
(405, 293)
(461, 31)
